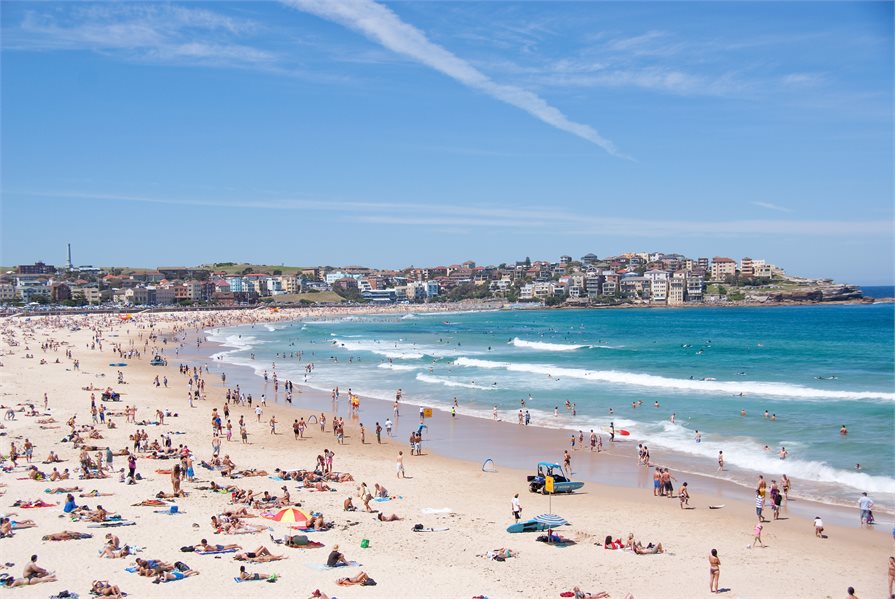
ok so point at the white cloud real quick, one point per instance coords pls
(771, 206)
(383, 26)
(519, 218)
(154, 32)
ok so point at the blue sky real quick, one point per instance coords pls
(310, 132)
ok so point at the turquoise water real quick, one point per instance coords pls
(814, 367)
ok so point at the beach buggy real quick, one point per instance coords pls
(158, 361)
(561, 484)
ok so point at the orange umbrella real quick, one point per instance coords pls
(291, 515)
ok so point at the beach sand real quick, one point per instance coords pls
(445, 563)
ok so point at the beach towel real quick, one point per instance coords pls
(112, 524)
(382, 499)
(272, 578)
(38, 504)
(437, 510)
(168, 512)
(216, 552)
(429, 529)
(150, 502)
(131, 569)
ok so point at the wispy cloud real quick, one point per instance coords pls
(148, 32)
(771, 206)
(383, 26)
(521, 218)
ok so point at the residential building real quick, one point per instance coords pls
(658, 289)
(38, 268)
(589, 259)
(676, 291)
(59, 292)
(7, 292)
(703, 263)
(746, 267)
(695, 289)
(722, 268)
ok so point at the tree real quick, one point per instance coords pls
(277, 273)
(554, 300)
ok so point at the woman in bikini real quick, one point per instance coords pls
(243, 575)
(714, 571)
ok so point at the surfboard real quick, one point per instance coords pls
(527, 526)
(619, 431)
(716, 507)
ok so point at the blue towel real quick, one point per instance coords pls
(215, 552)
(132, 569)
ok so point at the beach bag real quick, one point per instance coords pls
(300, 540)
(187, 548)
(369, 582)
(364, 543)
(417, 527)
(182, 567)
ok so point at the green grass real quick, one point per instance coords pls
(328, 297)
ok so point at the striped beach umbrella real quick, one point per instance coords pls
(290, 515)
(551, 520)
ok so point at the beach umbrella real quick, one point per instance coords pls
(290, 515)
(551, 520)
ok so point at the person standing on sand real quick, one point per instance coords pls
(399, 465)
(388, 427)
(378, 433)
(866, 505)
(517, 512)
(720, 461)
(714, 571)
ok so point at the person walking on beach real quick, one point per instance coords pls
(388, 427)
(567, 462)
(720, 461)
(714, 571)
(399, 465)
(379, 433)
(866, 505)
(517, 509)
(759, 505)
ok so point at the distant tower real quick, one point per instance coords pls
(70, 265)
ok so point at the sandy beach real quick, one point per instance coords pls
(463, 510)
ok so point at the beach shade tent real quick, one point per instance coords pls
(290, 515)
(551, 521)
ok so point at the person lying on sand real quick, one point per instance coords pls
(63, 490)
(204, 546)
(259, 555)
(318, 486)
(637, 547)
(67, 535)
(174, 575)
(243, 575)
(105, 589)
(579, 594)
(360, 578)
(111, 552)
(389, 518)
(152, 567)
(95, 493)
(11, 581)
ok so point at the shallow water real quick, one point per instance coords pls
(814, 367)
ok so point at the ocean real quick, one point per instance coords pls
(815, 368)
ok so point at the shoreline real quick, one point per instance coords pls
(518, 447)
